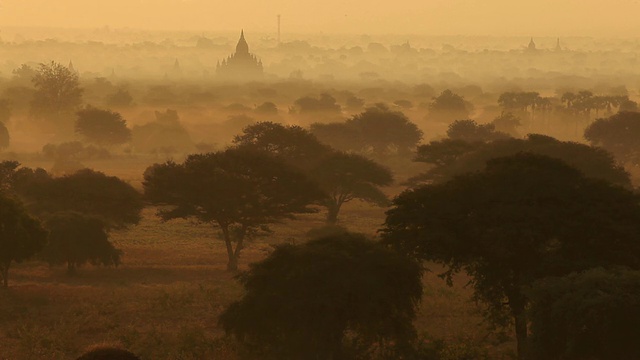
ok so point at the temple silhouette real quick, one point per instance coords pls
(242, 65)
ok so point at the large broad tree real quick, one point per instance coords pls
(523, 218)
(345, 177)
(239, 191)
(102, 127)
(89, 192)
(327, 298)
(21, 236)
(342, 176)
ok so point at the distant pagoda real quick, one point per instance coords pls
(241, 65)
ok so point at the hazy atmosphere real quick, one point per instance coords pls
(337, 180)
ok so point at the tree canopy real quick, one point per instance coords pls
(378, 131)
(58, 93)
(291, 143)
(454, 158)
(75, 239)
(89, 192)
(238, 190)
(4, 136)
(326, 298)
(102, 127)
(21, 236)
(448, 107)
(617, 134)
(589, 315)
(524, 217)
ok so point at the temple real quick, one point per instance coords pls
(241, 65)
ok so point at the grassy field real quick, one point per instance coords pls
(163, 301)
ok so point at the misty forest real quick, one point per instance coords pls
(254, 194)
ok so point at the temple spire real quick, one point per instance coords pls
(242, 47)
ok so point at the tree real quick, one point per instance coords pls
(75, 239)
(589, 315)
(309, 105)
(448, 107)
(523, 218)
(384, 131)
(21, 236)
(470, 131)
(345, 177)
(238, 190)
(102, 127)
(593, 162)
(291, 143)
(507, 123)
(58, 93)
(617, 134)
(314, 300)
(166, 132)
(88, 192)
(4, 136)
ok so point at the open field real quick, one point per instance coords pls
(163, 302)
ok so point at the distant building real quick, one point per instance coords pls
(558, 47)
(241, 65)
(532, 46)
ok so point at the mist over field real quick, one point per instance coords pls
(448, 180)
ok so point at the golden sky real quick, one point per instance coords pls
(428, 17)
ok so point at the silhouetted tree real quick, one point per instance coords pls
(618, 134)
(291, 143)
(58, 93)
(470, 131)
(267, 108)
(325, 299)
(102, 127)
(338, 135)
(345, 177)
(21, 236)
(88, 192)
(507, 123)
(523, 218)
(448, 107)
(237, 190)
(589, 315)
(593, 162)
(75, 239)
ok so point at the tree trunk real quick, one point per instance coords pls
(232, 264)
(332, 213)
(520, 320)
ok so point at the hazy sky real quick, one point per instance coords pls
(428, 17)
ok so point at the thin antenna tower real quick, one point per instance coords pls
(278, 29)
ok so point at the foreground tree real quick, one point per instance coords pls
(599, 316)
(523, 218)
(75, 239)
(102, 127)
(237, 190)
(345, 177)
(21, 236)
(326, 298)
